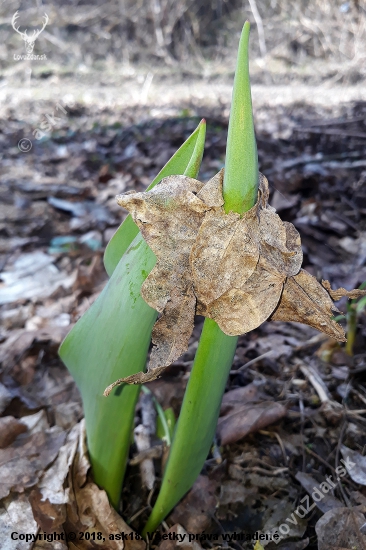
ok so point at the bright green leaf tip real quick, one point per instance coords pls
(241, 164)
(112, 338)
(201, 404)
(187, 160)
(195, 162)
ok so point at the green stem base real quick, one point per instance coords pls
(197, 421)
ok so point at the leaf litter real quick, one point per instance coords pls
(237, 270)
(33, 379)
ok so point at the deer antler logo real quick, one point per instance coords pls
(29, 40)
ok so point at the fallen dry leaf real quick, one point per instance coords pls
(340, 292)
(88, 508)
(237, 270)
(240, 396)
(325, 501)
(22, 463)
(356, 465)
(16, 516)
(180, 540)
(246, 419)
(304, 300)
(10, 428)
(339, 529)
(196, 509)
(66, 500)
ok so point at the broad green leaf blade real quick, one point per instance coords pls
(185, 158)
(241, 163)
(197, 420)
(201, 404)
(111, 341)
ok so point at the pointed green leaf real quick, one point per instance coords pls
(185, 158)
(111, 341)
(201, 404)
(241, 164)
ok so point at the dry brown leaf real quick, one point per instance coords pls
(169, 217)
(280, 243)
(67, 501)
(246, 419)
(304, 300)
(180, 540)
(240, 396)
(88, 508)
(241, 310)
(228, 247)
(339, 529)
(340, 292)
(196, 509)
(325, 502)
(22, 463)
(237, 270)
(10, 428)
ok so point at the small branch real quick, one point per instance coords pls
(316, 382)
(259, 23)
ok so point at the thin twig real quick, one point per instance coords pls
(316, 382)
(251, 362)
(340, 441)
(259, 23)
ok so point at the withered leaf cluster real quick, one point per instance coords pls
(237, 270)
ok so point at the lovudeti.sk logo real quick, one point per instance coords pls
(29, 40)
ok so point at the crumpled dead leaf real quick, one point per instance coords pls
(339, 529)
(237, 270)
(10, 428)
(67, 501)
(22, 463)
(195, 511)
(304, 300)
(358, 462)
(246, 419)
(16, 516)
(182, 544)
(340, 292)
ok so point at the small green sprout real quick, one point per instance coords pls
(355, 309)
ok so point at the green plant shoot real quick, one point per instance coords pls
(187, 160)
(201, 404)
(354, 309)
(112, 339)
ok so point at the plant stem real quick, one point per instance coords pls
(197, 420)
(161, 415)
(112, 338)
(351, 327)
(201, 404)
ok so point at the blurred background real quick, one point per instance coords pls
(311, 41)
(116, 89)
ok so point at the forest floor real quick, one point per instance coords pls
(67, 149)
